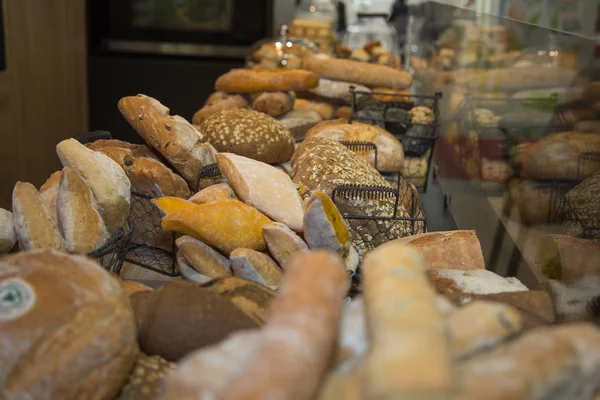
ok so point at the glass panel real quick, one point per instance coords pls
(185, 15)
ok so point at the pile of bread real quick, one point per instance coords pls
(373, 51)
(431, 323)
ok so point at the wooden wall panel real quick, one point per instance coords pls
(43, 92)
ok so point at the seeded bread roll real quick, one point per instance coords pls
(8, 237)
(34, 225)
(78, 218)
(49, 191)
(175, 138)
(390, 156)
(256, 81)
(274, 104)
(250, 134)
(358, 72)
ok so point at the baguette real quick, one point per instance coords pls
(78, 218)
(34, 226)
(407, 331)
(255, 81)
(274, 104)
(8, 237)
(358, 72)
(175, 138)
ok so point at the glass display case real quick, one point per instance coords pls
(518, 159)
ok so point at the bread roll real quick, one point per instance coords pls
(250, 134)
(476, 281)
(224, 225)
(358, 72)
(324, 227)
(530, 200)
(553, 363)
(274, 104)
(390, 156)
(447, 250)
(132, 287)
(228, 102)
(335, 90)
(299, 122)
(79, 221)
(344, 112)
(255, 266)
(108, 181)
(568, 259)
(181, 317)
(34, 226)
(392, 95)
(137, 150)
(146, 381)
(67, 328)
(264, 187)
(203, 258)
(49, 191)
(175, 138)
(255, 81)
(282, 242)
(325, 110)
(296, 343)
(360, 55)
(8, 237)
(406, 329)
(557, 156)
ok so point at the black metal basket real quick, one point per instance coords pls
(150, 247)
(90, 137)
(112, 254)
(418, 139)
(209, 175)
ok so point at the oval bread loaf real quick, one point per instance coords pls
(255, 266)
(255, 81)
(250, 134)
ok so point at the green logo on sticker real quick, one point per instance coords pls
(16, 298)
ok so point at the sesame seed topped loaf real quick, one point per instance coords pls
(250, 134)
(323, 164)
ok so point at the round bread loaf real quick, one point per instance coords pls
(67, 328)
(250, 134)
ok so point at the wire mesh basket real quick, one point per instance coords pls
(112, 254)
(209, 175)
(150, 247)
(90, 137)
(389, 111)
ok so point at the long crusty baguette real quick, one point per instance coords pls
(255, 81)
(174, 137)
(407, 332)
(358, 72)
(297, 341)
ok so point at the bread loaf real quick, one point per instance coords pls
(476, 281)
(146, 381)
(296, 343)
(188, 273)
(358, 72)
(226, 102)
(137, 150)
(274, 104)
(255, 266)
(557, 156)
(49, 191)
(551, 363)
(325, 110)
(132, 287)
(584, 200)
(344, 112)
(8, 237)
(390, 155)
(346, 382)
(225, 224)
(324, 227)
(34, 226)
(176, 139)
(181, 317)
(79, 221)
(220, 191)
(447, 250)
(203, 258)
(67, 328)
(406, 329)
(250, 134)
(337, 91)
(255, 81)
(529, 200)
(568, 259)
(571, 302)
(299, 122)
(282, 242)
(264, 187)
(108, 181)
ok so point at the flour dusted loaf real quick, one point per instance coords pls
(33, 223)
(8, 237)
(336, 91)
(323, 164)
(79, 221)
(264, 187)
(256, 81)
(203, 258)
(282, 242)
(324, 227)
(255, 266)
(250, 134)
(108, 181)
(69, 331)
(476, 281)
(174, 137)
(358, 72)
(390, 155)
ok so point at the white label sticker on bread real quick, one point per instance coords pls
(16, 299)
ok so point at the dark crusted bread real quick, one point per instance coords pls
(250, 134)
(323, 164)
